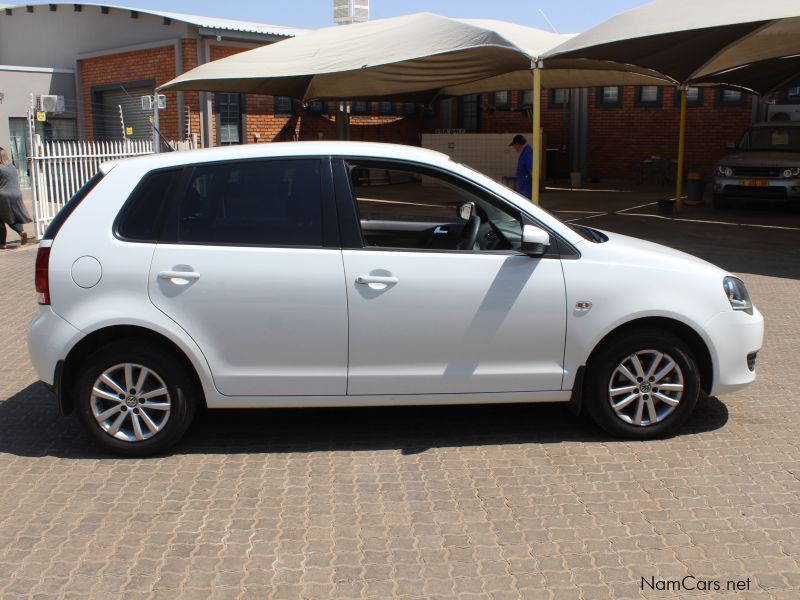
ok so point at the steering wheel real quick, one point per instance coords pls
(469, 234)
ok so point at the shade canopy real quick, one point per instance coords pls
(413, 57)
(691, 41)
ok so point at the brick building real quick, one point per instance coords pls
(104, 59)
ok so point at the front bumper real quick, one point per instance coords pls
(776, 189)
(50, 338)
(734, 336)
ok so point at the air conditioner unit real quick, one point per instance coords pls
(51, 104)
(147, 102)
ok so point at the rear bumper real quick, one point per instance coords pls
(49, 340)
(735, 336)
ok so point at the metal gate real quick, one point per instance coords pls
(59, 170)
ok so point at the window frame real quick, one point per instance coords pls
(350, 224)
(170, 226)
(462, 101)
(503, 105)
(721, 102)
(696, 103)
(367, 112)
(241, 121)
(600, 101)
(323, 108)
(387, 113)
(276, 110)
(521, 104)
(640, 103)
(551, 98)
(786, 98)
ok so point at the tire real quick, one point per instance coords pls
(168, 401)
(720, 202)
(604, 374)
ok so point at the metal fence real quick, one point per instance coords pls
(59, 170)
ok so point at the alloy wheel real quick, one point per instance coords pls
(645, 388)
(130, 402)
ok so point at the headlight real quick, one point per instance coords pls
(791, 172)
(723, 171)
(737, 294)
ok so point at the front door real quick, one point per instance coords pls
(439, 303)
(248, 277)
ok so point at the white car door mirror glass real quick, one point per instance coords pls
(535, 240)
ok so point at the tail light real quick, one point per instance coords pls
(42, 276)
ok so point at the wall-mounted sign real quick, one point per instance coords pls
(41, 116)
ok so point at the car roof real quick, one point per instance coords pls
(281, 149)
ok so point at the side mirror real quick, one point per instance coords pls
(535, 240)
(730, 146)
(465, 211)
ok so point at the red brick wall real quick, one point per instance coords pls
(620, 138)
(156, 64)
(191, 100)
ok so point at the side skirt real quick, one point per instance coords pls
(219, 401)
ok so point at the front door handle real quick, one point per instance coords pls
(367, 279)
(179, 277)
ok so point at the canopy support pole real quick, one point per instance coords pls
(536, 142)
(681, 151)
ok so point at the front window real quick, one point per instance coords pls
(403, 206)
(776, 138)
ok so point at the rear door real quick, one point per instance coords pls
(252, 271)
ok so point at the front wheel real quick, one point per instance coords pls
(135, 398)
(642, 384)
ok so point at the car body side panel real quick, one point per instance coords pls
(627, 279)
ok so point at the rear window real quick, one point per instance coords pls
(275, 202)
(144, 212)
(62, 215)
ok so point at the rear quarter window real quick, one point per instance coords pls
(143, 214)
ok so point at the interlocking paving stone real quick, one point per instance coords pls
(441, 502)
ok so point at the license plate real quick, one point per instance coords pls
(754, 183)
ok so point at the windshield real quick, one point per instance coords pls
(777, 138)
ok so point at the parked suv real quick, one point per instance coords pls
(765, 166)
(349, 274)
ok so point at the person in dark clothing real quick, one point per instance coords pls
(524, 165)
(12, 210)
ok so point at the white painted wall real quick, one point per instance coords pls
(54, 39)
(488, 153)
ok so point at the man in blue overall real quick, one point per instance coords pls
(524, 165)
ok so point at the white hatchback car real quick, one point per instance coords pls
(349, 274)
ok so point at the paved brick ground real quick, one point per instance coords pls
(469, 502)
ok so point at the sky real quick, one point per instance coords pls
(568, 16)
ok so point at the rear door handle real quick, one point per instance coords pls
(179, 277)
(367, 279)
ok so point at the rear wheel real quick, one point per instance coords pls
(135, 398)
(642, 384)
